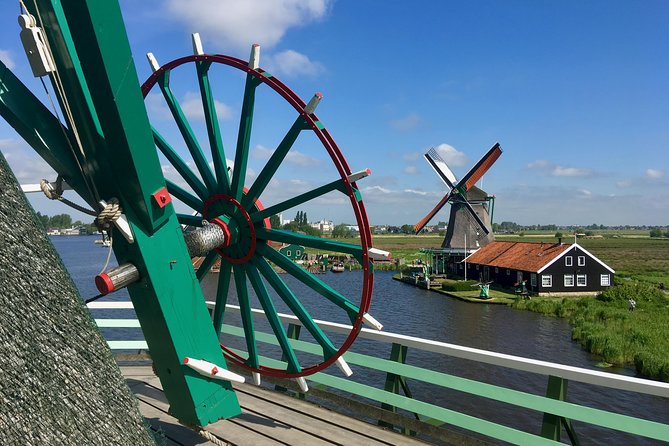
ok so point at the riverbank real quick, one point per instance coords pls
(609, 327)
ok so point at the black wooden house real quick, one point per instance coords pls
(544, 268)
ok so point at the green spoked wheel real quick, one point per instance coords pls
(215, 193)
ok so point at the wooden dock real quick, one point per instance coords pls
(268, 418)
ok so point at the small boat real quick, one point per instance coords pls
(338, 267)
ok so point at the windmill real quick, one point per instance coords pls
(469, 224)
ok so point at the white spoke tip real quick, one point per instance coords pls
(197, 44)
(310, 108)
(343, 366)
(302, 383)
(153, 62)
(378, 254)
(206, 368)
(256, 378)
(254, 59)
(369, 320)
(359, 175)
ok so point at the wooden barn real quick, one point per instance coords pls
(545, 269)
(293, 252)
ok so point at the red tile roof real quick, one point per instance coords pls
(524, 256)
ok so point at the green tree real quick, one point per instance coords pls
(60, 221)
(407, 229)
(342, 231)
(274, 221)
(558, 234)
(44, 220)
(656, 233)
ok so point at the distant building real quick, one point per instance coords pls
(546, 268)
(323, 225)
(293, 252)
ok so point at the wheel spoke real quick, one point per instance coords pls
(221, 295)
(213, 129)
(187, 133)
(274, 162)
(247, 317)
(295, 305)
(206, 265)
(181, 194)
(273, 318)
(310, 280)
(244, 138)
(298, 200)
(278, 235)
(180, 165)
(190, 220)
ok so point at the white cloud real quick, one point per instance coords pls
(239, 24)
(417, 192)
(27, 166)
(191, 104)
(623, 184)
(413, 156)
(538, 164)
(410, 170)
(291, 64)
(6, 58)
(409, 122)
(654, 174)
(560, 171)
(293, 157)
(451, 155)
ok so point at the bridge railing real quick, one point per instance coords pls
(557, 413)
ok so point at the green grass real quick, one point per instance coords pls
(606, 327)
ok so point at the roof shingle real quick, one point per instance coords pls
(524, 256)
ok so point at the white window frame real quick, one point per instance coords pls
(569, 280)
(288, 253)
(496, 270)
(568, 261)
(581, 260)
(508, 272)
(578, 279)
(533, 280)
(605, 280)
(546, 280)
(297, 253)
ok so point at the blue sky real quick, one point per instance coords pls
(575, 92)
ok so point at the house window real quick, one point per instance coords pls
(605, 280)
(546, 280)
(533, 280)
(581, 280)
(568, 280)
(477, 267)
(568, 261)
(496, 270)
(288, 253)
(581, 260)
(297, 253)
(508, 272)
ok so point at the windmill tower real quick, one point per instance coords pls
(469, 224)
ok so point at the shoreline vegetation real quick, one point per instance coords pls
(602, 325)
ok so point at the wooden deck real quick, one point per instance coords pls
(268, 418)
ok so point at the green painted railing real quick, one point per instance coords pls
(557, 412)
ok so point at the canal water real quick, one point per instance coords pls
(412, 311)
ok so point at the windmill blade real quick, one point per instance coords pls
(421, 224)
(473, 213)
(476, 172)
(439, 166)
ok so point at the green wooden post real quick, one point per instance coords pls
(101, 87)
(552, 424)
(293, 332)
(395, 382)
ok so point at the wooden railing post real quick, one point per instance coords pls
(396, 382)
(552, 424)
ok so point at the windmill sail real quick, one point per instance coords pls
(481, 167)
(439, 166)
